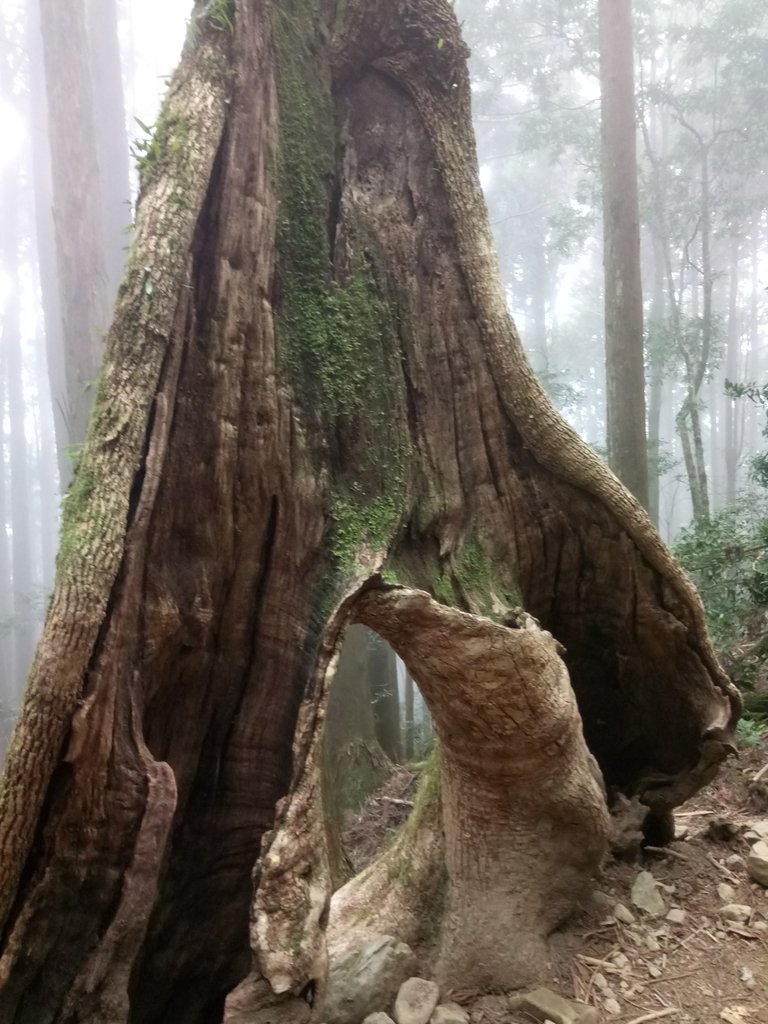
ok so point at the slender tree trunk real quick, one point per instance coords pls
(111, 140)
(46, 245)
(410, 723)
(656, 357)
(354, 763)
(24, 632)
(732, 445)
(382, 668)
(625, 374)
(312, 386)
(88, 221)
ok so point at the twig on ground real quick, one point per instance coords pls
(654, 1015)
(672, 977)
(666, 851)
(721, 867)
(594, 962)
(763, 771)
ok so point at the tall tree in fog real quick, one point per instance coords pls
(537, 138)
(90, 197)
(625, 371)
(705, 139)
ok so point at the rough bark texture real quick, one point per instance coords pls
(311, 378)
(502, 690)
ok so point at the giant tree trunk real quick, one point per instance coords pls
(312, 386)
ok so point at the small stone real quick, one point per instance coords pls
(737, 912)
(654, 971)
(378, 1018)
(760, 926)
(602, 899)
(676, 916)
(612, 1006)
(734, 858)
(646, 896)
(367, 979)
(757, 863)
(622, 914)
(416, 1001)
(449, 1013)
(760, 828)
(726, 892)
(746, 975)
(620, 960)
(721, 935)
(652, 943)
(543, 1004)
(599, 981)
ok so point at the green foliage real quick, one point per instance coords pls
(751, 731)
(161, 140)
(756, 393)
(77, 525)
(727, 557)
(220, 14)
(362, 521)
(337, 327)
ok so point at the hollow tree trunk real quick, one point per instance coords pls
(311, 379)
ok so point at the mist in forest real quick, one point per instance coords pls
(80, 86)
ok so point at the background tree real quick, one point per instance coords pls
(625, 363)
(90, 194)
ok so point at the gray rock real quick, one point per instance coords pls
(449, 1013)
(676, 915)
(543, 1004)
(738, 912)
(758, 829)
(364, 981)
(726, 892)
(416, 1001)
(646, 896)
(623, 914)
(378, 1018)
(602, 899)
(757, 863)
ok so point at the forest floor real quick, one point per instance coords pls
(696, 968)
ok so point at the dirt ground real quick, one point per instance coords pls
(698, 967)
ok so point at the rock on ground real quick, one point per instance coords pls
(544, 1005)
(416, 1001)
(757, 863)
(449, 1013)
(367, 980)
